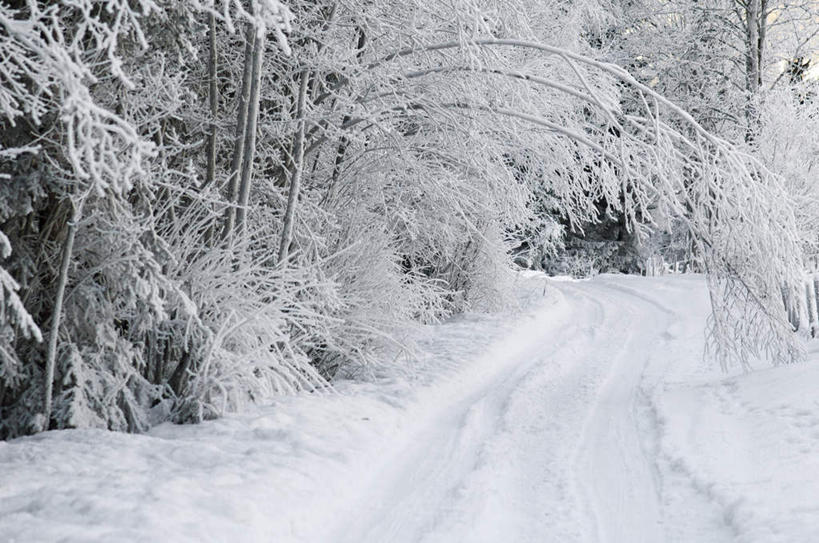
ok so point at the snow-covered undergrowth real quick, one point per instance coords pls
(590, 415)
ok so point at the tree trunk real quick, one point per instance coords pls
(241, 130)
(810, 302)
(213, 227)
(212, 92)
(68, 249)
(297, 170)
(179, 378)
(763, 31)
(250, 131)
(752, 45)
(752, 63)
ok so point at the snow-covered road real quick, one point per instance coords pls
(558, 443)
(590, 417)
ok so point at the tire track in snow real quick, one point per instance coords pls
(426, 491)
(631, 490)
(617, 475)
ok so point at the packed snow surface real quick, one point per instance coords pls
(588, 416)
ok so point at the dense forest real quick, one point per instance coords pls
(206, 203)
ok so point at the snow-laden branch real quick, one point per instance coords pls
(726, 197)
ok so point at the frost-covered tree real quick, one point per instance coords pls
(716, 59)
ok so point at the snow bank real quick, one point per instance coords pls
(749, 444)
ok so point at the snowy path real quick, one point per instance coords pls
(589, 418)
(557, 446)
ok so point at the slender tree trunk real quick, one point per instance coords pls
(297, 170)
(312, 86)
(810, 302)
(815, 285)
(284, 173)
(68, 249)
(241, 131)
(179, 378)
(752, 63)
(332, 192)
(214, 110)
(763, 31)
(250, 132)
(212, 92)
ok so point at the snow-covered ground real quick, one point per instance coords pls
(590, 416)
